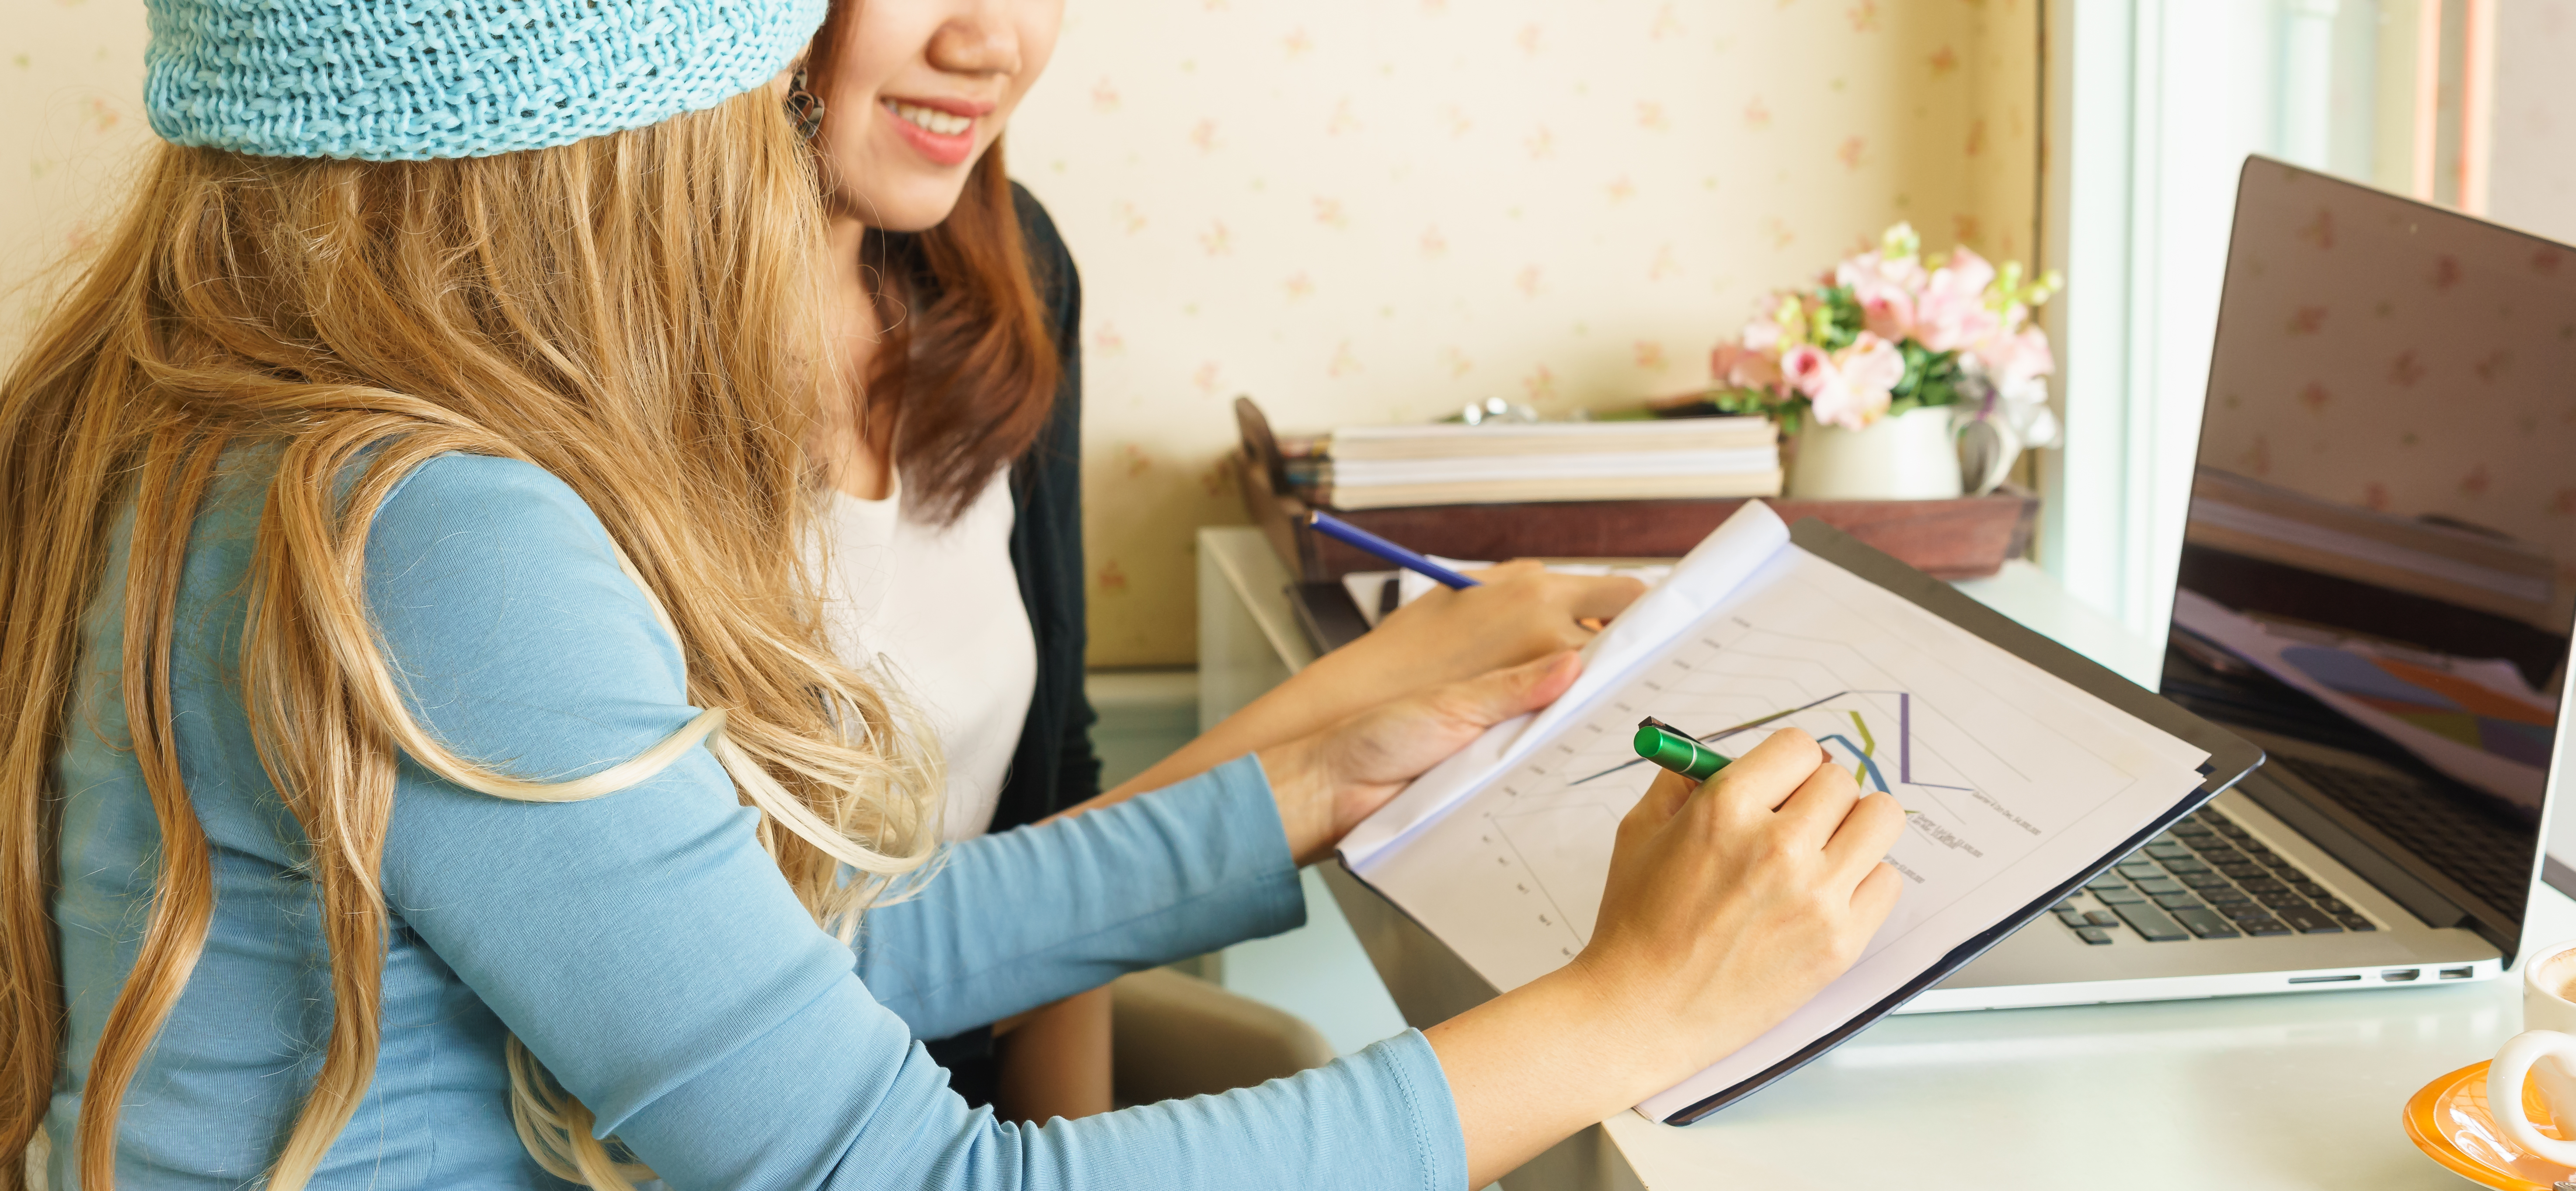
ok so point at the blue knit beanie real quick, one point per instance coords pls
(412, 80)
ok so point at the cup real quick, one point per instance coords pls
(2546, 1052)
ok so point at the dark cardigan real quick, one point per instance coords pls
(1054, 766)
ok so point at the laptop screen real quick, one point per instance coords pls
(2378, 571)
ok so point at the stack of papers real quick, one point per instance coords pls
(1373, 467)
(2012, 779)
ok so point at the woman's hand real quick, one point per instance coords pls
(1727, 906)
(1521, 613)
(1328, 781)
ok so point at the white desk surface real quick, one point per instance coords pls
(2295, 1091)
(2265, 1092)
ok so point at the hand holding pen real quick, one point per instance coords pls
(1351, 535)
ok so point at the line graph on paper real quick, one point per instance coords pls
(1527, 856)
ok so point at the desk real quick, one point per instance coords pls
(2251, 1093)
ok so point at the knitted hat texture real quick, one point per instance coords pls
(412, 80)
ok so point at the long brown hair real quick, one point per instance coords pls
(635, 313)
(968, 366)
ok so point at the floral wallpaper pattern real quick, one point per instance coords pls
(2532, 180)
(1354, 212)
(1372, 212)
(71, 86)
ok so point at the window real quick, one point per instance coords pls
(2153, 106)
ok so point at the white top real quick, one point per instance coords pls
(934, 613)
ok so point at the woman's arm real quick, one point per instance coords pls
(1520, 613)
(1174, 873)
(1021, 918)
(645, 949)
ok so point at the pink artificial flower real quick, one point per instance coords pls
(1889, 315)
(1741, 367)
(1806, 367)
(1721, 361)
(2017, 357)
(1762, 334)
(1904, 271)
(1886, 308)
(1850, 389)
(1952, 314)
(1885, 290)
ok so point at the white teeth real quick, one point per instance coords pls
(931, 119)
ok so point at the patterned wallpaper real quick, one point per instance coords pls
(1378, 210)
(2532, 180)
(1356, 211)
(71, 126)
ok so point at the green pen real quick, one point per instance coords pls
(1666, 746)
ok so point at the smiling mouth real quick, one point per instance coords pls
(930, 120)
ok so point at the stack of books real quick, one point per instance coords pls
(1282, 478)
(1377, 467)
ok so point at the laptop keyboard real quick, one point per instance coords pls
(2489, 860)
(2208, 878)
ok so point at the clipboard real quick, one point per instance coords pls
(2230, 759)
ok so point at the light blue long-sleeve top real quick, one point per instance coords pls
(642, 944)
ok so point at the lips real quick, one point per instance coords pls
(941, 130)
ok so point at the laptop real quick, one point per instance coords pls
(2376, 583)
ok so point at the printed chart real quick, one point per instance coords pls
(1520, 864)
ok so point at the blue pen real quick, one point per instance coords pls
(1349, 534)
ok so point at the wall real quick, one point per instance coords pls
(2532, 180)
(71, 85)
(2160, 103)
(1355, 212)
(1370, 212)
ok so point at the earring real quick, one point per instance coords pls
(803, 106)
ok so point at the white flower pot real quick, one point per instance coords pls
(1911, 456)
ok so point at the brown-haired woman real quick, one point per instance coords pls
(954, 520)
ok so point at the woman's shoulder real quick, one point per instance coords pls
(488, 494)
(498, 593)
(441, 497)
(474, 527)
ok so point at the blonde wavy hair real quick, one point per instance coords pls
(635, 313)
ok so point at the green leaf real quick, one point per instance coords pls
(1931, 378)
(1838, 318)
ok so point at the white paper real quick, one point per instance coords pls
(1713, 568)
(2012, 779)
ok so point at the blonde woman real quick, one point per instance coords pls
(422, 771)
